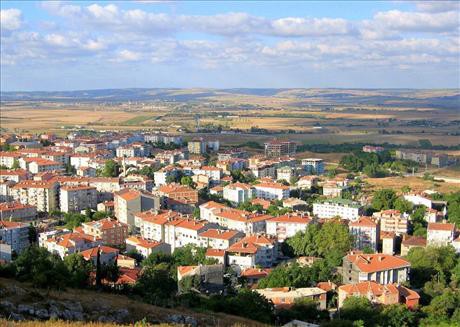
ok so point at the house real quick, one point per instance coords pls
(295, 204)
(65, 244)
(238, 192)
(307, 182)
(145, 247)
(285, 173)
(392, 221)
(15, 175)
(410, 242)
(337, 207)
(16, 211)
(253, 250)
(178, 197)
(219, 255)
(128, 202)
(253, 275)
(334, 188)
(8, 158)
(38, 165)
(285, 297)
(207, 278)
(151, 224)
(440, 234)
(365, 232)
(110, 230)
(184, 231)
(14, 236)
(381, 268)
(378, 293)
(43, 195)
(107, 254)
(219, 239)
(287, 225)
(271, 191)
(78, 198)
(388, 242)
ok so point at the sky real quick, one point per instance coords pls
(65, 45)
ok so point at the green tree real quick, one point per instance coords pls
(443, 307)
(111, 169)
(78, 269)
(403, 205)
(188, 181)
(16, 164)
(251, 305)
(304, 243)
(453, 208)
(398, 315)
(155, 284)
(358, 308)
(384, 199)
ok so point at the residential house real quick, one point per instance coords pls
(286, 297)
(252, 251)
(220, 239)
(78, 198)
(128, 202)
(440, 234)
(16, 211)
(146, 247)
(287, 225)
(238, 192)
(111, 231)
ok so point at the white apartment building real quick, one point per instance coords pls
(183, 231)
(69, 243)
(128, 202)
(440, 234)
(306, 182)
(146, 247)
(110, 230)
(16, 211)
(251, 251)
(8, 158)
(219, 239)
(151, 224)
(238, 192)
(285, 173)
(14, 234)
(365, 233)
(271, 191)
(287, 225)
(313, 166)
(342, 208)
(38, 165)
(42, 195)
(78, 198)
(392, 221)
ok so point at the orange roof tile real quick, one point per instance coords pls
(363, 221)
(220, 234)
(441, 226)
(377, 262)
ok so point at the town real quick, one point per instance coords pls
(174, 220)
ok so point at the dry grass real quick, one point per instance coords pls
(60, 323)
(417, 184)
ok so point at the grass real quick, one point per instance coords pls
(60, 323)
(137, 120)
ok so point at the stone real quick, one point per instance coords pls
(42, 314)
(16, 316)
(25, 308)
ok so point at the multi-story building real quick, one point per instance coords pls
(178, 197)
(285, 297)
(146, 247)
(253, 250)
(271, 191)
(43, 195)
(15, 235)
(65, 244)
(107, 255)
(231, 154)
(285, 173)
(277, 148)
(343, 208)
(220, 239)
(392, 221)
(410, 242)
(238, 192)
(128, 202)
(287, 225)
(197, 146)
(440, 234)
(379, 294)
(365, 233)
(313, 166)
(184, 231)
(151, 224)
(8, 158)
(111, 231)
(15, 175)
(78, 198)
(380, 268)
(133, 150)
(306, 182)
(16, 211)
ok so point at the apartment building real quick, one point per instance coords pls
(286, 297)
(184, 231)
(380, 268)
(42, 195)
(253, 250)
(392, 221)
(128, 202)
(313, 166)
(285, 173)
(365, 232)
(8, 158)
(15, 238)
(78, 198)
(232, 153)
(238, 192)
(38, 165)
(16, 211)
(440, 234)
(133, 150)
(337, 207)
(219, 239)
(277, 148)
(111, 231)
(107, 255)
(14, 175)
(146, 247)
(197, 146)
(307, 182)
(65, 244)
(271, 191)
(178, 197)
(287, 225)
(151, 224)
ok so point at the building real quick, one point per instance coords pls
(107, 255)
(184, 231)
(210, 278)
(365, 233)
(15, 175)
(271, 191)
(253, 275)
(38, 165)
(313, 166)
(233, 153)
(307, 182)
(178, 197)
(423, 157)
(196, 146)
(392, 221)
(238, 192)
(8, 158)
(219, 239)
(388, 242)
(16, 211)
(337, 207)
(379, 294)
(252, 251)
(68, 243)
(412, 242)
(42, 195)
(285, 297)
(277, 148)
(334, 188)
(128, 202)
(380, 268)
(287, 225)
(373, 149)
(285, 173)
(151, 224)
(133, 150)
(78, 198)
(15, 238)
(440, 234)
(146, 247)
(111, 231)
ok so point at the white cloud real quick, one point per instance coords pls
(294, 26)
(127, 55)
(10, 19)
(438, 6)
(418, 22)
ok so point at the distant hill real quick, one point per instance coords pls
(442, 98)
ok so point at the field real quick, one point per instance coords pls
(417, 184)
(314, 115)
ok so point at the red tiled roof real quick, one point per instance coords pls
(369, 287)
(143, 242)
(291, 218)
(363, 221)
(215, 253)
(377, 262)
(256, 272)
(219, 234)
(91, 253)
(414, 241)
(441, 226)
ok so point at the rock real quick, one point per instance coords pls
(73, 306)
(181, 319)
(42, 313)
(105, 319)
(27, 309)
(191, 321)
(120, 315)
(54, 311)
(7, 305)
(16, 316)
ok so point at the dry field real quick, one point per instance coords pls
(417, 184)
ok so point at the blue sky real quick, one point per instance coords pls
(103, 44)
